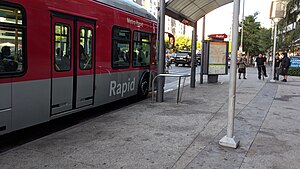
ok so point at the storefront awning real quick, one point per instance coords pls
(190, 11)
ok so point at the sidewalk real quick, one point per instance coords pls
(184, 136)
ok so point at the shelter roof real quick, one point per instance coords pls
(190, 11)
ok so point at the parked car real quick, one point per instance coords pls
(182, 57)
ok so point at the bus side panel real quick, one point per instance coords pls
(5, 108)
(116, 86)
(30, 103)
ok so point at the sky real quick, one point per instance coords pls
(219, 21)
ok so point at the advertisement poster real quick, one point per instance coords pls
(295, 62)
(217, 58)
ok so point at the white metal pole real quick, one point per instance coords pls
(202, 53)
(242, 31)
(229, 140)
(274, 52)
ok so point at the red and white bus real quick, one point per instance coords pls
(59, 57)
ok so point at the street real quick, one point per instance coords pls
(172, 82)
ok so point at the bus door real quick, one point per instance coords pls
(62, 47)
(85, 64)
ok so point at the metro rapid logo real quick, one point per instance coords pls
(121, 88)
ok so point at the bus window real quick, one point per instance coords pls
(120, 47)
(12, 30)
(141, 49)
(86, 39)
(62, 46)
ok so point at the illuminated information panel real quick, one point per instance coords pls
(217, 58)
(295, 62)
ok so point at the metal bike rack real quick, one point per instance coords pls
(179, 94)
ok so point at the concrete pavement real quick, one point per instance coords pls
(184, 136)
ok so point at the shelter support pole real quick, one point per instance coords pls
(202, 53)
(161, 59)
(193, 62)
(229, 140)
(274, 52)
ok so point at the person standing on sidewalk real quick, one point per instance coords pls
(261, 62)
(242, 63)
(285, 64)
(277, 66)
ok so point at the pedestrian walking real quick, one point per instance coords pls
(285, 64)
(277, 67)
(167, 62)
(261, 62)
(242, 63)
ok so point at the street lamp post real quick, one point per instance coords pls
(277, 12)
(274, 52)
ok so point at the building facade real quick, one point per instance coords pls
(171, 25)
(289, 29)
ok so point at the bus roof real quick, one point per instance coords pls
(130, 7)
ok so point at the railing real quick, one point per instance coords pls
(179, 94)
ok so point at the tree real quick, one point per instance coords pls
(256, 39)
(250, 39)
(183, 43)
(265, 40)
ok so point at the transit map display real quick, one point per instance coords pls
(217, 64)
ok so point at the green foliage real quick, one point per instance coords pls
(294, 71)
(183, 43)
(199, 45)
(256, 39)
(265, 40)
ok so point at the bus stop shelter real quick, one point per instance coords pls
(189, 12)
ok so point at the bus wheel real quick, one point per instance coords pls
(143, 88)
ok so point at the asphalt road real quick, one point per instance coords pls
(172, 82)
